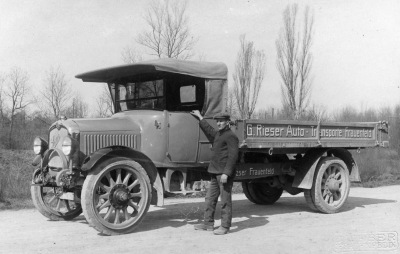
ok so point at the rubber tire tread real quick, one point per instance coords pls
(309, 200)
(246, 192)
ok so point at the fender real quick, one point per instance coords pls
(305, 170)
(351, 164)
(113, 151)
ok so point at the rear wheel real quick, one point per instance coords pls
(261, 193)
(331, 186)
(115, 196)
(48, 201)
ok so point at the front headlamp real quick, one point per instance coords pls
(40, 145)
(67, 146)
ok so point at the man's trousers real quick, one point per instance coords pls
(216, 189)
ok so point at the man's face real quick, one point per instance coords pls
(222, 123)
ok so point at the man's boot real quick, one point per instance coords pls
(203, 227)
(221, 231)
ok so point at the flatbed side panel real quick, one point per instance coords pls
(296, 134)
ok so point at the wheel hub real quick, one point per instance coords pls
(333, 185)
(119, 196)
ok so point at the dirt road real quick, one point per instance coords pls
(369, 223)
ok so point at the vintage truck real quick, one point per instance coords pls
(112, 169)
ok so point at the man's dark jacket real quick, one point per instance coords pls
(225, 149)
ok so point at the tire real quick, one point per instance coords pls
(47, 203)
(309, 200)
(331, 186)
(261, 193)
(116, 196)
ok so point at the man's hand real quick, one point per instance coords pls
(224, 178)
(197, 114)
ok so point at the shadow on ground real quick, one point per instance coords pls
(251, 215)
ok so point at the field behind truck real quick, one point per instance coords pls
(378, 167)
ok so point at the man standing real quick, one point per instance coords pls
(222, 169)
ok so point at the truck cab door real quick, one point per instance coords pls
(183, 137)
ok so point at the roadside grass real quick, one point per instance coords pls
(15, 177)
(378, 167)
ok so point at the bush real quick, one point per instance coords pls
(378, 166)
(15, 175)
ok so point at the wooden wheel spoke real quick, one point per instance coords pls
(109, 212)
(126, 179)
(102, 206)
(116, 220)
(135, 195)
(52, 199)
(66, 203)
(326, 198)
(58, 207)
(105, 196)
(110, 180)
(330, 199)
(119, 181)
(133, 205)
(126, 214)
(105, 187)
(324, 193)
(135, 183)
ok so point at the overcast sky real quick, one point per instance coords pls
(356, 45)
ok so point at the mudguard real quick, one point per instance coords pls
(306, 169)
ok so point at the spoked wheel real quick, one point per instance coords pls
(115, 196)
(49, 203)
(261, 193)
(331, 186)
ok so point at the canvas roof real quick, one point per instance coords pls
(207, 70)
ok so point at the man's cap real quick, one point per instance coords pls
(224, 116)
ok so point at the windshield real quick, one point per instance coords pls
(139, 95)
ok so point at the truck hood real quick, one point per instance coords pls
(107, 125)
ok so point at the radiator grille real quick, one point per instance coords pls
(56, 137)
(93, 142)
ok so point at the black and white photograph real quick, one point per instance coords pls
(184, 126)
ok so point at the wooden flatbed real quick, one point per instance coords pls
(278, 136)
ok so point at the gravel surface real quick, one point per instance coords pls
(368, 223)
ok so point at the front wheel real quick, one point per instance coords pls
(48, 201)
(115, 196)
(331, 186)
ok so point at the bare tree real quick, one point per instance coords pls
(78, 108)
(104, 103)
(2, 103)
(168, 34)
(130, 55)
(56, 93)
(248, 76)
(316, 113)
(295, 60)
(231, 104)
(16, 91)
